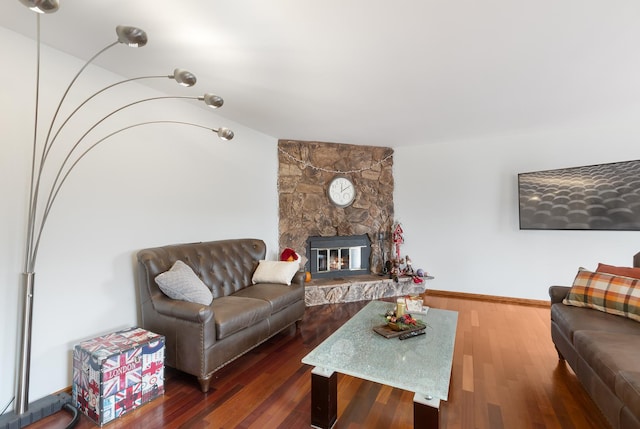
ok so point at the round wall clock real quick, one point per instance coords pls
(341, 191)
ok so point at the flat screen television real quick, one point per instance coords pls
(594, 197)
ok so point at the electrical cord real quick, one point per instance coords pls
(67, 406)
(73, 410)
(5, 408)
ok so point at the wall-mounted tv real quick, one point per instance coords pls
(594, 197)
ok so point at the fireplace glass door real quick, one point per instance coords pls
(339, 259)
(339, 256)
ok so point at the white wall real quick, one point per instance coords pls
(149, 186)
(458, 205)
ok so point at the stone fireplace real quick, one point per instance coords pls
(304, 172)
(331, 257)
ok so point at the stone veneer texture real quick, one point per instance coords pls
(304, 172)
(351, 289)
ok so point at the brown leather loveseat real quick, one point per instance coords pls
(200, 338)
(602, 349)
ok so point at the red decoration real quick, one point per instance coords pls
(288, 255)
(398, 239)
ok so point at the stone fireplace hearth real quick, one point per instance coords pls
(358, 288)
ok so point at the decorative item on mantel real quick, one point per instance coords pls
(396, 262)
(47, 179)
(399, 266)
(398, 238)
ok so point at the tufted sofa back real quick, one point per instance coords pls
(225, 266)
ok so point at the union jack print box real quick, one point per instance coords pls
(116, 373)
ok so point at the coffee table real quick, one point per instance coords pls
(420, 364)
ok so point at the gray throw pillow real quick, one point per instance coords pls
(180, 282)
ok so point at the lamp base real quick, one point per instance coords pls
(37, 410)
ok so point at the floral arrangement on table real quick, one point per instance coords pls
(403, 322)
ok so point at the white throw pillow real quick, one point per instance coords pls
(275, 272)
(180, 282)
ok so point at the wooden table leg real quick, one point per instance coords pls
(324, 398)
(426, 412)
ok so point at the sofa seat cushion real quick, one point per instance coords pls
(628, 390)
(571, 319)
(278, 296)
(234, 313)
(608, 353)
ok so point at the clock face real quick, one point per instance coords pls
(341, 191)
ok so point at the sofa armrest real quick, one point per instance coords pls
(298, 278)
(558, 293)
(184, 310)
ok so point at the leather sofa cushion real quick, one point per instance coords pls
(628, 390)
(225, 266)
(572, 319)
(234, 313)
(277, 295)
(608, 353)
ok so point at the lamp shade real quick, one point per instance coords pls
(213, 100)
(131, 36)
(184, 77)
(225, 133)
(41, 6)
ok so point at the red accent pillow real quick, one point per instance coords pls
(634, 273)
(288, 255)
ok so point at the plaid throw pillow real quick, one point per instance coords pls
(605, 292)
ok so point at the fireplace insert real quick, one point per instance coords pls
(338, 256)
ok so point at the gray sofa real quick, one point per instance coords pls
(200, 339)
(604, 352)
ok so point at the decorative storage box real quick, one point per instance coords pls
(413, 304)
(118, 372)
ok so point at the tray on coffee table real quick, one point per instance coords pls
(388, 332)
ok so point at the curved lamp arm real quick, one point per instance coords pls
(104, 118)
(223, 133)
(130, 36)
(182, 77)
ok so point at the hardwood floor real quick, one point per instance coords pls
(506, 374)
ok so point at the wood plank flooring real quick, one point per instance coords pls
(505, 375)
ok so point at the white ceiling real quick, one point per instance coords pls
(375, 72)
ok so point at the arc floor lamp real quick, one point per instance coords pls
(42, 195)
